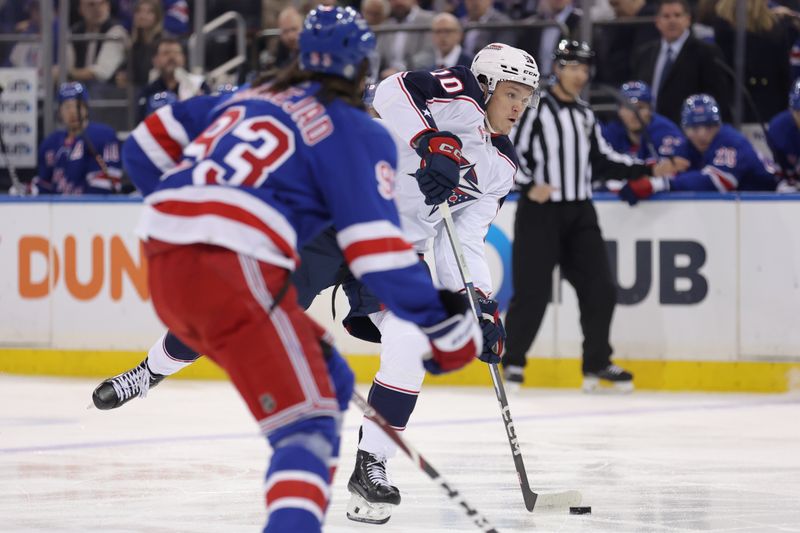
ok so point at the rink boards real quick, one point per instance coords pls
(709, 294)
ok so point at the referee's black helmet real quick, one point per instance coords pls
(569, 51)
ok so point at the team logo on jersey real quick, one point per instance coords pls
(467, 189)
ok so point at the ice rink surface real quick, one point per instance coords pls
(188, 458)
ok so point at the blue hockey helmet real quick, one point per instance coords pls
(159, 100)
(226, 88)
(72, 91)
(335, 40)
(794, 95)
(637, 91)
(700, 110)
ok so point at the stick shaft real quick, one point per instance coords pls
(528, 495)
(453, 494)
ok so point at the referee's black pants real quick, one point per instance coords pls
(565, 234)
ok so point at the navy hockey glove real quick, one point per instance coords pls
(642, 188)
(456, 340)
(341, 375)
(494, 334)
(441, 160)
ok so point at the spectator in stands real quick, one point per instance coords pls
(148, 26)
(84, 157)
(96, 60)
(680, 65)
(375, 12)
(169, 61)
(766, 63)
(11, 13)
(270, 9)
(483, 11)
(28, 54)
(542, 42)
(615, 44)
(447, 51)
(396, 50)
(290, 22)
(175, 15)
(718, 158)
(642, 133)
(783, 137)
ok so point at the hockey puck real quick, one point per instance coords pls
(580, 510)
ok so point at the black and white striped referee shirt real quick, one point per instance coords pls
(560, 144)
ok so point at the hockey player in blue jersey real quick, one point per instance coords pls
(84, 157)
(783, 137)
(718, 158)
(487, 164)
(640, 131)
(275, 167)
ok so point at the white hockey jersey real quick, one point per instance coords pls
(413, 103)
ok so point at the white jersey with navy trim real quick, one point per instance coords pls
(413, 103)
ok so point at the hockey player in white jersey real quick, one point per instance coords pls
(444, 122)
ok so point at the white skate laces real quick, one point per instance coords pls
(133, 382)
(376, 472)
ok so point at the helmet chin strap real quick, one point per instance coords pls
(486, 99)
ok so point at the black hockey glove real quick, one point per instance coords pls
(441, 160)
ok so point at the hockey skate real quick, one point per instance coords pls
(119, 390)
(372, 496)
(611, 379)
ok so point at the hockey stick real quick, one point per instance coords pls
(83, 115)
(477, 518)
(558, 499)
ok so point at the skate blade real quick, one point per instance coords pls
(553, 500)
(600, 386)
(360, 510)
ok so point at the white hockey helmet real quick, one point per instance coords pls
(498, 62)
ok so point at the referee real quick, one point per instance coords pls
(561, 151)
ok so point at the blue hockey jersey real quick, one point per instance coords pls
(268, 172)
(68, 165)
(664, 134)
(783, 138)
(730, 163)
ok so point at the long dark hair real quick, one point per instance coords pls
(331, 87)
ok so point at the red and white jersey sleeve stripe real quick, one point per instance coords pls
(375, 247)
(723, 181)
(224, 216)
(162, 138)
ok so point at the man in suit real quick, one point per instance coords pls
(483, 11)
(542, 42)
(447, 50)
(679, 65)
(396, 50)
